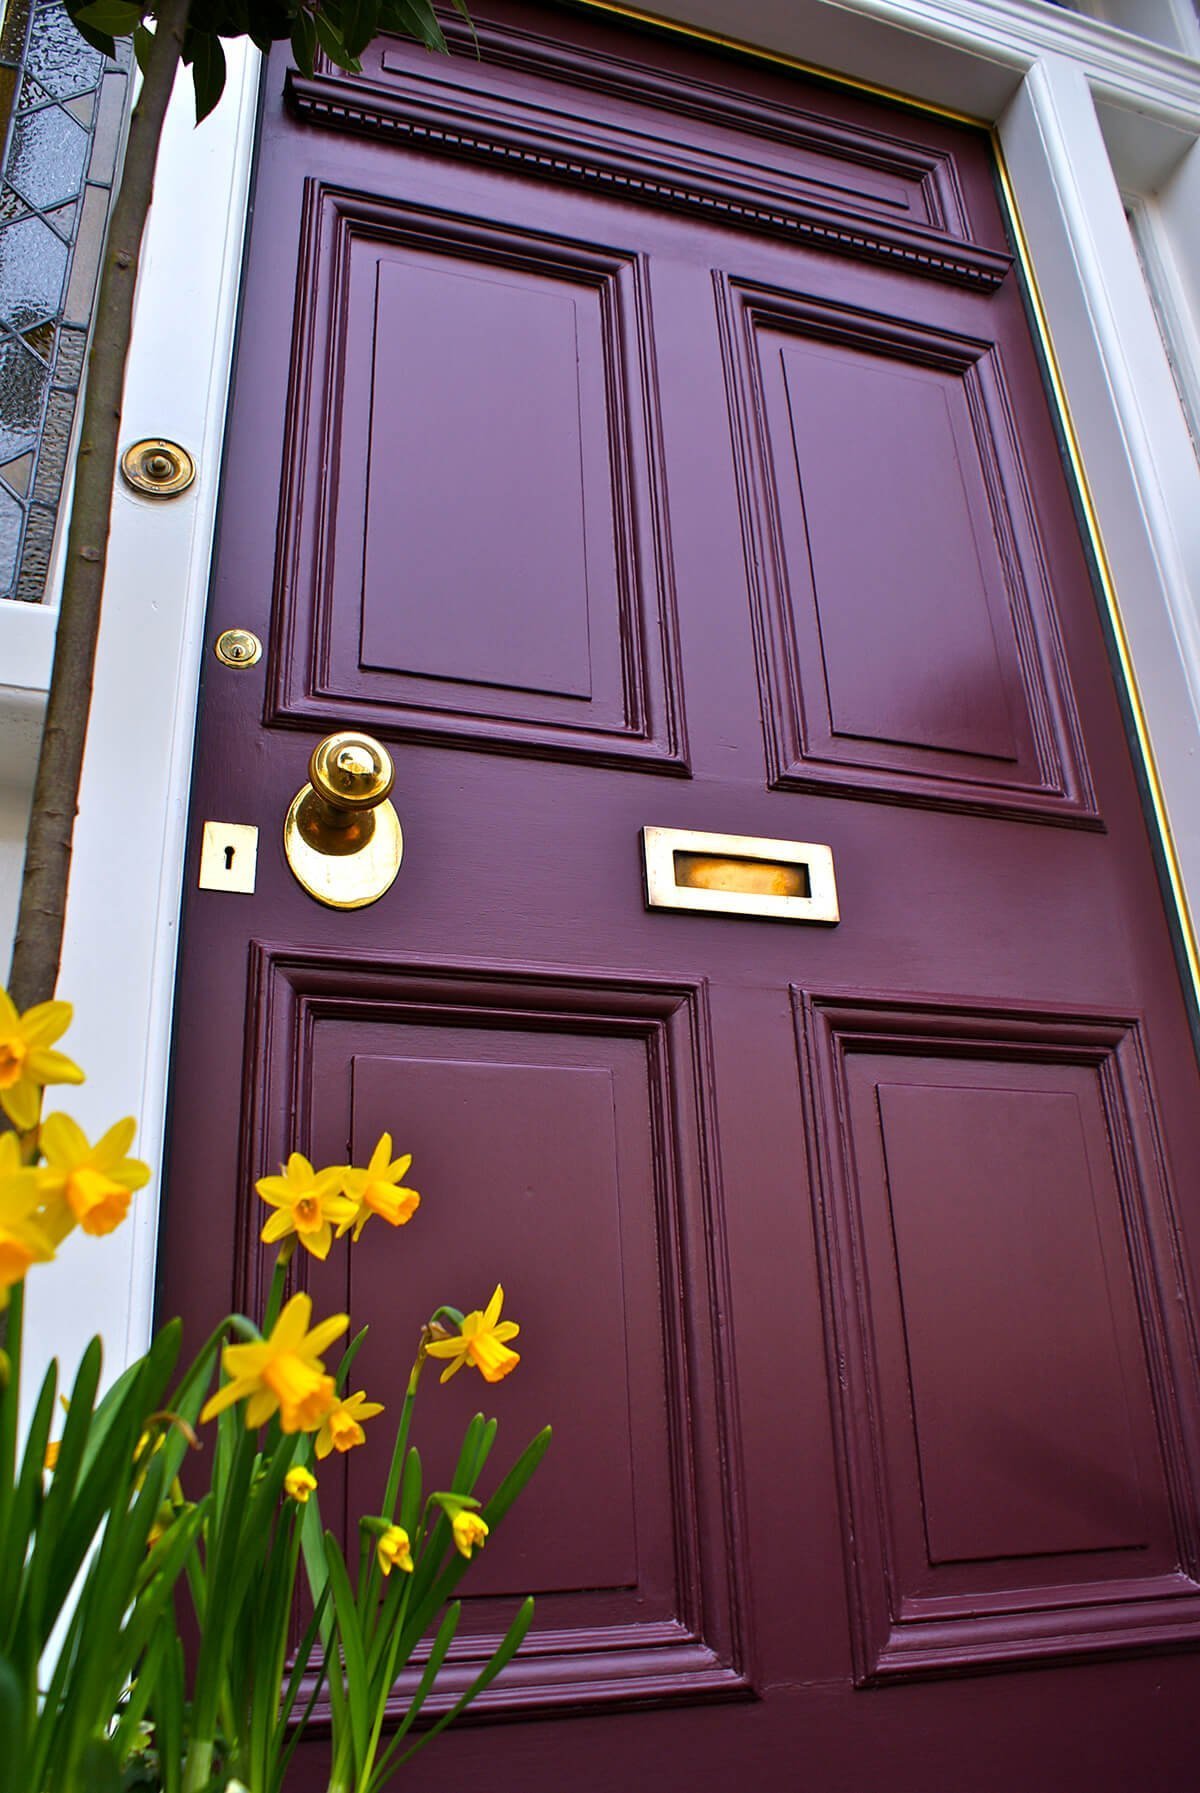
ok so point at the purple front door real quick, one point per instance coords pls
(632, 437)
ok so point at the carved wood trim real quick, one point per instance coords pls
(616, 168)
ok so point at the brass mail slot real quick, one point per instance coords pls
(739, 874)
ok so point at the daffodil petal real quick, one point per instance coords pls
(278, 1226)
(45, 1021)
(112, 1146)
(20, 1104)
(63, 1140)
(244, 1361)
(323, 1335)
(292, 1323)
(318, 1243)
(492, 1312)
(260, 1407)
(224, 1397)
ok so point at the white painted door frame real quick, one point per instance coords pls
(1067, 96)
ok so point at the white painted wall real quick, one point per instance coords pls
(1068, 92)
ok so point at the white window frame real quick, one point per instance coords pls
(1066, 95)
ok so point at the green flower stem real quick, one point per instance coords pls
(368, 1574)
(10, 1402)
(283, 1258)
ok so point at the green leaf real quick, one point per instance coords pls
(99, 40)
(330, 41)
(416, 18)
(117, 18)
(12, 1724)
(207, 60)
(437, 1655)
(410, 1493)
(304, 42)
(360, 22)
(353, 1649)
(513, 1639)
(143, 43)
(100, 1770)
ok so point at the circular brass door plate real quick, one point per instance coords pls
(350, 880)
(157, 468)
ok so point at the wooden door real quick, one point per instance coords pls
(629, 436)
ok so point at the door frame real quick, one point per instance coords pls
(1083, 115)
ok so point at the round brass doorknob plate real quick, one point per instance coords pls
(342, 837)
(337, 878)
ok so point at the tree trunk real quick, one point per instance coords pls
(38, 946)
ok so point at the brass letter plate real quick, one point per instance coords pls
(739, 874)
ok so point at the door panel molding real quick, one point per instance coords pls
(1037, 770)
(954, 1562)
(676, 1628)
(610, 693)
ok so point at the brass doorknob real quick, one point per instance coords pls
(350, 772)
(342, 837)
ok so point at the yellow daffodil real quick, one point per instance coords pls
(283, 1373)
(377, 1190)
(307, 1202)
(469, 1531)
(394, 1550)
(342, 1429)
(83, 1184)
(26, 1063)
(480, 1342)
(299, 1483)
(24, 1239)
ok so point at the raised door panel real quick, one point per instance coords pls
(557, 1134)
(1019, 1405)
(907, 639)
(473, 542)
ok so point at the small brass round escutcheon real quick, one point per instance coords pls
(157, 469)
(238, 647)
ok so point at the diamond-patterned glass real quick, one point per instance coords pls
(61, 113)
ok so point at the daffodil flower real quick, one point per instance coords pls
(84, 1184)
(377, 1190)
(307, 1202)
(298, 1484)
(342, 1428)
(26, 1063)
(282, 1374)
(394, 1550)
(470, 1532)
(24, 1239)
(481, 1342)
